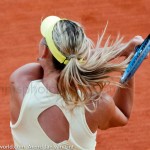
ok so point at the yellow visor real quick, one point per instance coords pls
(47, 27)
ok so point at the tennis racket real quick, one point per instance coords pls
(140, 54)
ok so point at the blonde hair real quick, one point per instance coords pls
(87, 72)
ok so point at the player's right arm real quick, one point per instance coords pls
(108, 114)
(115, 111)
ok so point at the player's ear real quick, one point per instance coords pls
(45, 52)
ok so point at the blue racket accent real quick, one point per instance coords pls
(140, 54)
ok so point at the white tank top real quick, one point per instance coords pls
(28, 134)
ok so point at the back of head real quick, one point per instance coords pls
(70, 39)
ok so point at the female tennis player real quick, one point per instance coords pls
(59, 102)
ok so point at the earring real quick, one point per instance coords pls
(39, 58)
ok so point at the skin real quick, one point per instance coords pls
(111, 111)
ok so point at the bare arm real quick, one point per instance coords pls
(123, 98)
(108, 114)
(119, 107)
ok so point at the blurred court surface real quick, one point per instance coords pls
(20, 34)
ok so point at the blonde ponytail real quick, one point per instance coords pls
(89, 67)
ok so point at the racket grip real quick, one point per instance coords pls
(140, 60)
(130, 66)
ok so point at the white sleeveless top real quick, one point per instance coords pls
(28, 134)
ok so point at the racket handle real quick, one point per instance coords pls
(140, 60)
(131, 65)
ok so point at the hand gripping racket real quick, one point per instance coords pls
(140, 54)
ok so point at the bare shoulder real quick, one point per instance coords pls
(21, 77)
(104, 111)
(100, 116)
(30, 71)
(108, 115)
